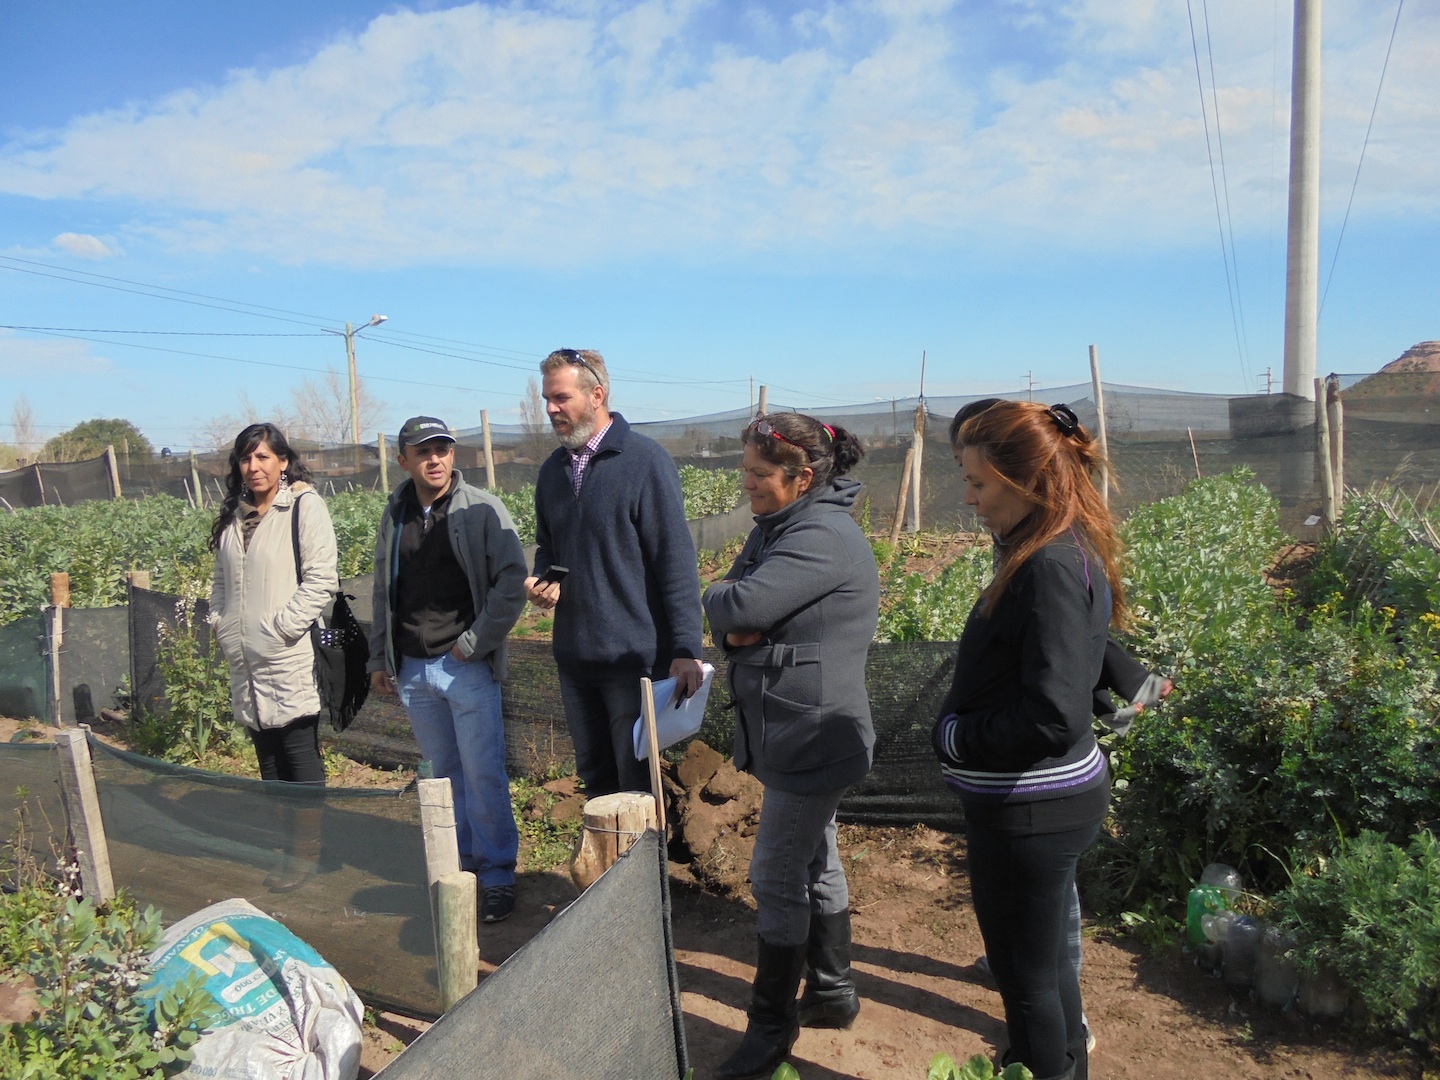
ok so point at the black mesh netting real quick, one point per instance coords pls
(24, 686)
(906, 683)
(55, 483)
(594, 994)
(183, 839)
(32, 815)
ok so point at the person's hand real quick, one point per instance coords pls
(457, 654)
(543, 595)
(688, 675)
(381, 683)
(740, 639)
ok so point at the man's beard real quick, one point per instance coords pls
(580, 432)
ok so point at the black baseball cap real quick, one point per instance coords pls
(420, 429)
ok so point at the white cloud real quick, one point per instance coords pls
(599, 131)
(23, 357)
(85, 246)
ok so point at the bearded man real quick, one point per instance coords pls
(608, 508)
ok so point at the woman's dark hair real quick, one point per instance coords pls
(1046, 456)
(968, 412)
(245, 444)
(795, 441)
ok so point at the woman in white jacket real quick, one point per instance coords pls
(264, 598)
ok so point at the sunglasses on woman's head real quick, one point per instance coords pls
(766, 430)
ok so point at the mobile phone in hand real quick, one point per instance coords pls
(552, 575)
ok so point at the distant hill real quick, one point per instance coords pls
(1415, 374)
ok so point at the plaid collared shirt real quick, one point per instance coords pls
(580, 459)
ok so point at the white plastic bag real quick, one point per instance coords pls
(289, 1014)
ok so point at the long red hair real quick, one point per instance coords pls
(1046, 456)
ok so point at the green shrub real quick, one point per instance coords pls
(709, 491)
(913, 609)
(89, 965)
(1194, 569)
(1371, 914)
(197, 685)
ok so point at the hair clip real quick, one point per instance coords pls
(1065, 419)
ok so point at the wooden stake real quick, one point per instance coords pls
(55, 635)
(905, 471)
(384, 461)
(1099, 392)
(1337, 441)
(442, 849)
(647, 710)
(138, 579)
(195, 482)
(919, 448)
(1322, 455)
(458, 949)
(1194, 454)
(82, 807)
(489, 454)
(612, 825)
(114, 467)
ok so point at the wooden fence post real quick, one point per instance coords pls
(1336, 405)
(442, 864)
(1100, 434)
(489, 453)
(919, 448)
(55, 640)
(384, 461)
(195, 482)
(905, 471)
(114, 472)
(82, 807)
(1322, 455)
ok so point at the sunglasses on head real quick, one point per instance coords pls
(766, 430)
(572, 356)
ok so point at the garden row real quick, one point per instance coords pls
(96, 543)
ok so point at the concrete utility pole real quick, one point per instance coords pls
(350, 332)
(1302, 258)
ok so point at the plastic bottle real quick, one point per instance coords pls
(1218, 887)
(1210, 954)
(1242, 949)
(1276, 977)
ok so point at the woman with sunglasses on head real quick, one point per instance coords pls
(1015, 737)
(275, 570)
(796, 615)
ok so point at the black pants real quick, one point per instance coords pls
(292, 752)
(1021, 886)
(600, 710)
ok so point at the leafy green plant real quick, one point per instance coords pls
(914, 609)
(197, 685)
(93, 1017)
(709, 491)
(547, 843)
(1371, 914)
(979, 1067)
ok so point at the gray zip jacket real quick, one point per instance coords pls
(806, 579)
(488, 549)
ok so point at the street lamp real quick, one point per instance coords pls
(350, 332)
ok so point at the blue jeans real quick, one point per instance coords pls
(796, 869)
(600, 711)
(454, 710)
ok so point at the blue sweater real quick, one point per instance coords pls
(632, 599)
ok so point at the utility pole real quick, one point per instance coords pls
(1302, 250)
(349, 335)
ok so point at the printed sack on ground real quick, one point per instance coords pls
(288, 1014)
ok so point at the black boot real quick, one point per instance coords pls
(829, 1000)
(772, 1029)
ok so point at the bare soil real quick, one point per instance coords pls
(1155, 1017)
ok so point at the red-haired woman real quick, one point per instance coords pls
(1014, 736)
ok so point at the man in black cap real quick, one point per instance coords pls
(449, 585)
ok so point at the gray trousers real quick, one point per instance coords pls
(796, 869)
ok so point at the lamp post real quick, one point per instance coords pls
(350, 332)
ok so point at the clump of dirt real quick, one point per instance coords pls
(715, 810)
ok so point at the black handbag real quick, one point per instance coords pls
(342, 650)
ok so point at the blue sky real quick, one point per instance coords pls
(707, 191)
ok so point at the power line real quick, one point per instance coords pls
(1214, 188)
(1356, 182)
